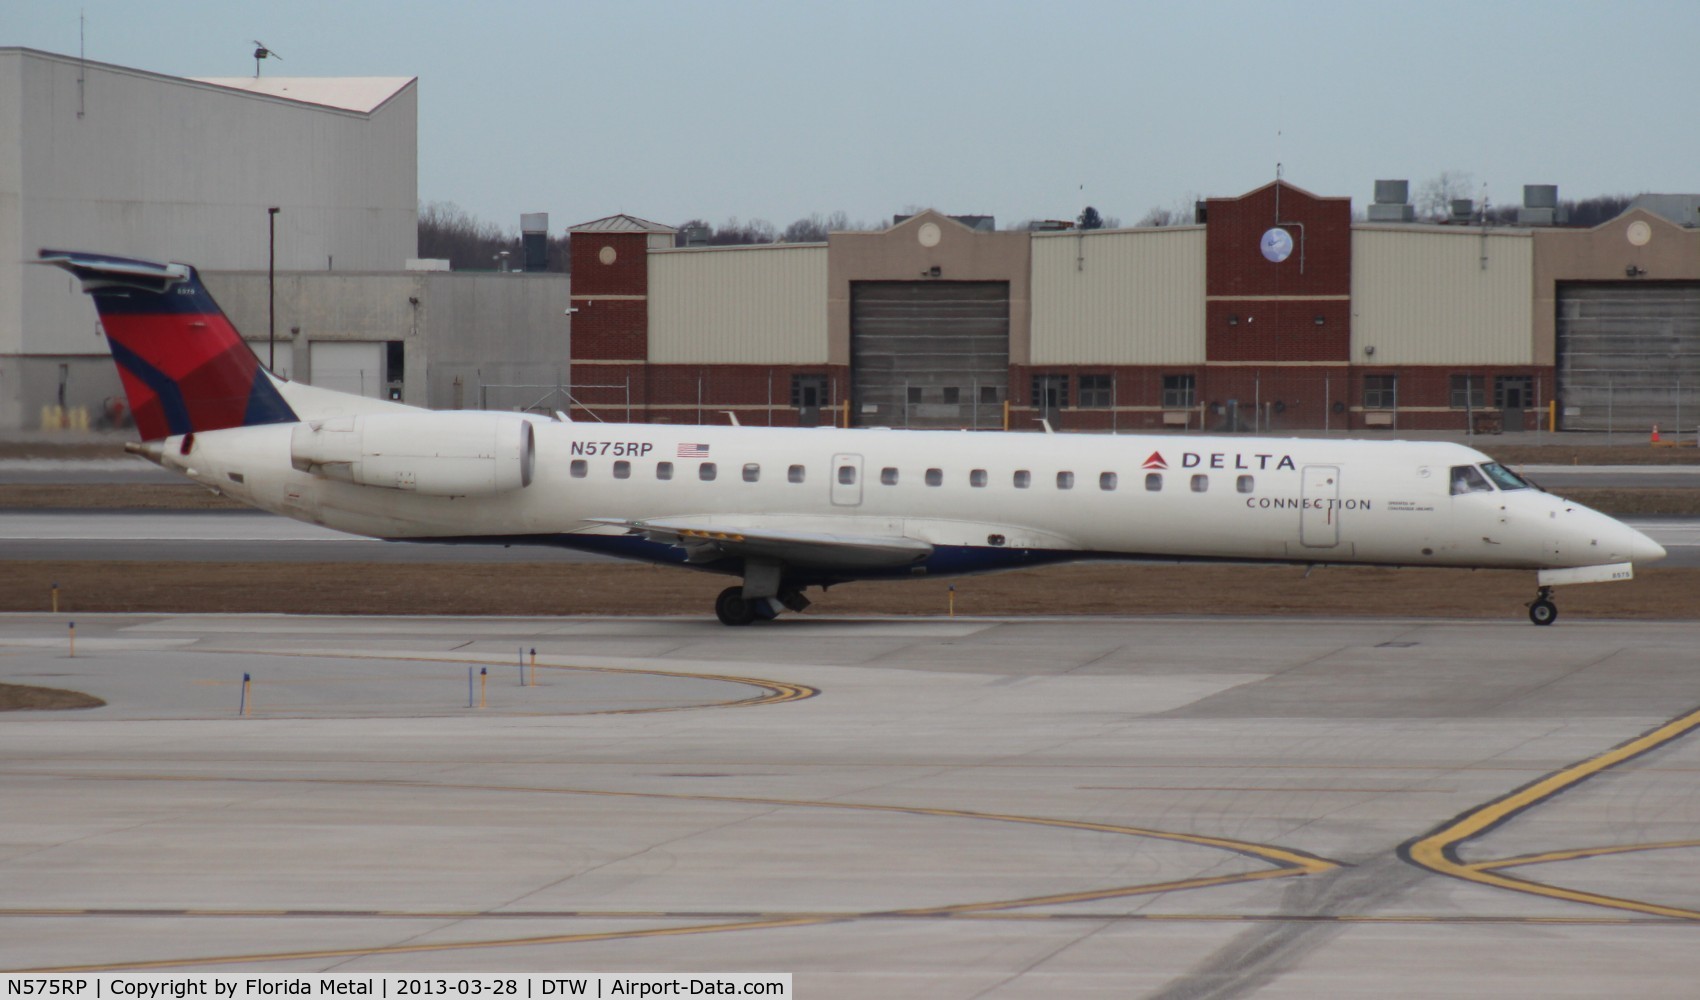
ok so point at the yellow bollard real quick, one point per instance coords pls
(953, 600)
(247, 695)
(1006, 414)
(483, 681)
(1552, 416)
(534, 666)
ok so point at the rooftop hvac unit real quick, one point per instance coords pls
(1392, 192)
(1462, 209)
(1540, 196)
(1383, 212)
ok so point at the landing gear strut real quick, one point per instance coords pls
(1541, 610)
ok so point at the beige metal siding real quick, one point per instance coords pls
(1127, 297)
(1422, 296)
(752, 305)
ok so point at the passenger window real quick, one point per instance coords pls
(977, 477)
(888, 476)
(706, 471)
(1023, 479)
(1245, 484)
(935, 477)
(1467, 479)
(1153, 482)
(579, 468)
(664, 470)
(1200, 483)
(847, 475)
(1065, 480)
(1106, 481)
(622, 469)
(752, 472)
(795, 474)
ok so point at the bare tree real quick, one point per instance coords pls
(1436, 195)
(446, 231)
(1591, 212)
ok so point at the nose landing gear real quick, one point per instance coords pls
(1541, 610)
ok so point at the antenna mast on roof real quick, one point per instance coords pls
(261, 52)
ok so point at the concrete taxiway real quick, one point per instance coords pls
(1164, 807)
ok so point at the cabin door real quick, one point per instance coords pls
(846, 480)
(1319, 521)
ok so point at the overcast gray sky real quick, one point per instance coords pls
(775, 110)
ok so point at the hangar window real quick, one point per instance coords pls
(1200, 483)
(935, 477)
(1381, 392)
(1106, 481)
(622, 469)
(1468, 392)
(976, 477)
(1095, 391)
(752, 472)
(847, 475)
(988, 394)
(664, 470)
(914, 396)
(888, 476)
(1180, 392)
(1245, 484)
(1065, 480)
(1153, 482)
(1023, 479)
(706, 472)
(794, 474)
(579, 468)
(1466, 479)
(1050, 392)
(952, 394)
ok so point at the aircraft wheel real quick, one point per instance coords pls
(731, 608)
(1543, 612)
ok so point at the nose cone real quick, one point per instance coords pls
(1643, 550)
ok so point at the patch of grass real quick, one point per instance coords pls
(28, 698)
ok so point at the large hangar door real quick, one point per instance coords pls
(1629, 354)
(352, 366)
(929, 353)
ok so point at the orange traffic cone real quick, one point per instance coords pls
(1655, 433)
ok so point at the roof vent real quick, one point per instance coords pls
(1463, 209)
(1391, 202)
(1540, 206)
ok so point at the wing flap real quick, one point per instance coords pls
(707, 543)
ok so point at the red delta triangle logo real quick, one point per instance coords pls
(1155, 461)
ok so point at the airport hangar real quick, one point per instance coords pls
(941, 321)
(938, 321)
(119, 160)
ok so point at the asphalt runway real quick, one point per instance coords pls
(255, 536)
(930, 808)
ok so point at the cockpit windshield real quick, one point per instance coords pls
(1504, 478)
(1467, 479)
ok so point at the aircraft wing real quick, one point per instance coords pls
(706, 543)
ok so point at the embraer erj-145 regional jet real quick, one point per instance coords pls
(786, 509)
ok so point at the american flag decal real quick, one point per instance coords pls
(693, 451)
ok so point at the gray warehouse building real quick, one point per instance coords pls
(123, 161)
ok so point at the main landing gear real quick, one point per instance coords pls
(764, 593)
(1541, 610)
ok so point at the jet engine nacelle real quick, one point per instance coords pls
(437, 454)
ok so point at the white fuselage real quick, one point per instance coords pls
(981, 499)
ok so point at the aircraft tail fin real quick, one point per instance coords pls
(183, 365)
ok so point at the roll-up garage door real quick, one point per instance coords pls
(1629, 355)
(353, 366)
(929, 353)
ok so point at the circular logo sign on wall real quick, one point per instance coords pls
(1277, 245)
(928, 234)
(606, 255)
(1639, 233)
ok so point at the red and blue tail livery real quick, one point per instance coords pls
(184, 366)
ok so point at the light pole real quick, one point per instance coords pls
(271, 289)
